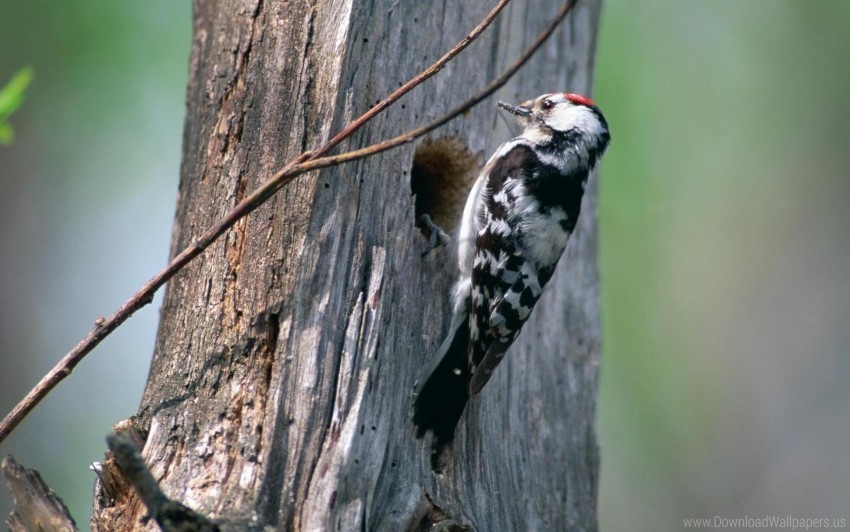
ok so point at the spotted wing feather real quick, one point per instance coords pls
(507, 275)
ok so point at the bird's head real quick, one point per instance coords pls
(560, 112)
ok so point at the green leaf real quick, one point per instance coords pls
(11, 98)
(12, 95)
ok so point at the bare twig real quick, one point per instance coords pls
(416, 80)
(290, 171)
(413, 134)
(104, 327)
(303, 163)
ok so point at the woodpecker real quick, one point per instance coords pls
(515, 226)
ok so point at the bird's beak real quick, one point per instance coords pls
(515, 109)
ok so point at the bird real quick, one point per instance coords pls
(515, 226)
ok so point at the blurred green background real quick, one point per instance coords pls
(724, 245)
(725, 238)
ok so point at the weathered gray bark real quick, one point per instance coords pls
(280, 389)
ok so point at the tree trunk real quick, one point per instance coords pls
(280, 389)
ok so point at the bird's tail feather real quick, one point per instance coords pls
(441, 399)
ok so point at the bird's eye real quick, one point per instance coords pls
(547, 104)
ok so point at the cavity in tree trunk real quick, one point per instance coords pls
(280, 389)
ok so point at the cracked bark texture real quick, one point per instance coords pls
(280, 388)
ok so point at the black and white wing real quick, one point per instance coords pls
(506, 282)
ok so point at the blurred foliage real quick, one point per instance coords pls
(11, 98)
(723, 255)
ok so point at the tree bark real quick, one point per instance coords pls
(280, 389)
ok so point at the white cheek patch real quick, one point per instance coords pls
(568, 117)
